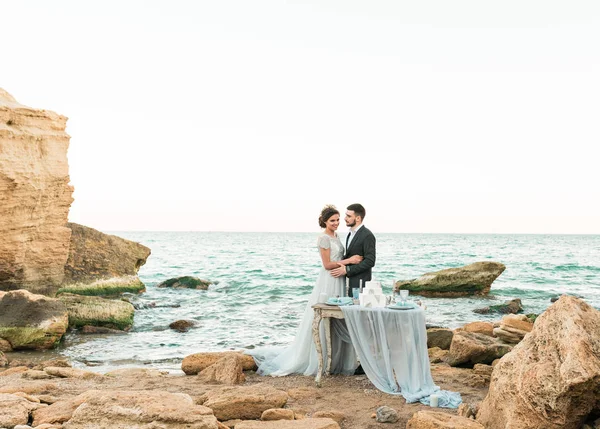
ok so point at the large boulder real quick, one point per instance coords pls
(96, 311)
(439, 420)
(30, 321)
(35, 197)
(473, 279)
(551, 379)
(439, 337)
(469, 348)
(244, 403)
(102, 264)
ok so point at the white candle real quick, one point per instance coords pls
(433, 401)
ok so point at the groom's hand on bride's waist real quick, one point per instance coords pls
(339, 271)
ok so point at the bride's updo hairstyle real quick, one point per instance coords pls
(326, 213)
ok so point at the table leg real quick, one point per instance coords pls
(317, 339)
(327, 322)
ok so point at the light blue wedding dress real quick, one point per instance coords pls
(300, 357)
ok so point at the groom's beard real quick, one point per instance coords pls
(350, 225)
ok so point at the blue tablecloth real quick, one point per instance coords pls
(392, 348)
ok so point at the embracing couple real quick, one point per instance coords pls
(354, 261)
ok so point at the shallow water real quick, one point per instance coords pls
(265, 278)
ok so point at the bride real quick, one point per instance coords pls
(300, 357)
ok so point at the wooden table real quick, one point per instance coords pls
(325, 313)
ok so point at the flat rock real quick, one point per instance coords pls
(485, 328)
(244, 402)
(319, 423)
(156, 409)
(196, 362)
(473, 279)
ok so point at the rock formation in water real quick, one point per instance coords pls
(473, 279)
(35, 197)
(102, 264)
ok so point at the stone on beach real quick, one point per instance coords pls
(469, 348)
(186, 282)
(57, 371)
(277, 414)
(551, 379)
(227, 370)
(15, 410)
(128, 409)
(485, 328)
(244, 402)
(31, 321)
(97, 311)
(439, 337)
(513, 328)
(439, 420)
(473, 279)
(193, 364)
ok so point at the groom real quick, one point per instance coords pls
(360, 241)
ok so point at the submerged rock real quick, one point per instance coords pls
(186, 282)
(183, 325)
(551, 379)
(473, 279)
(509, 307)
(96, 311)
(30, 321)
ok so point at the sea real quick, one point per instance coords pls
(262, 282)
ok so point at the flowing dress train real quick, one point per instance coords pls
(300, 357)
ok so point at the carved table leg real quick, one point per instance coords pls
(327, 322)
(317, 340)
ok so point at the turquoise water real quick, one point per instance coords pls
(265, 278)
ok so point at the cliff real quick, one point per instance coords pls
(35, 197)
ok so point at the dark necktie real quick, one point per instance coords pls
(348, 240)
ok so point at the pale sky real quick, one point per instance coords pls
(438, 116)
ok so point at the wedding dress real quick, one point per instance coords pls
(301, 357)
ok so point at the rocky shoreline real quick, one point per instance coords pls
(552, 363)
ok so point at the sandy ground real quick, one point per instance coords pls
(354, 396)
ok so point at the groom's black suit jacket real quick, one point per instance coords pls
(362, 244)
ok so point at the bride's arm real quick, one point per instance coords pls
(328, 264)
